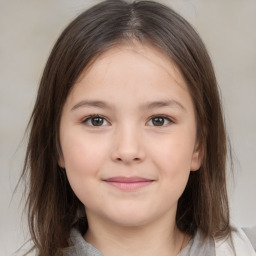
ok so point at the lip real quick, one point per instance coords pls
(128, 183)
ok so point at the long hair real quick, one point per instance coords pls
(52, 206)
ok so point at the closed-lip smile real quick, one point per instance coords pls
(128, 183)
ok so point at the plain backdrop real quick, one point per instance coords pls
(28, 30)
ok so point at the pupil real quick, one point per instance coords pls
(97, 121)
(158, 121)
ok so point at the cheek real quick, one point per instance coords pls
(82, 159)
(173, 157)
(78, 157)
(82, 153)
(176, 171)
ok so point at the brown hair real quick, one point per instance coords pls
(53, 208)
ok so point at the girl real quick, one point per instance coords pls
(127, 147)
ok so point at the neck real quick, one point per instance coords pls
(159, 238)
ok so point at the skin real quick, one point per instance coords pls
(128, 143)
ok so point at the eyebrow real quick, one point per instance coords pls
(92, 103)
(164, 103)
(144, 106)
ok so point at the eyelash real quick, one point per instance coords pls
(169, 120)
(89, 118)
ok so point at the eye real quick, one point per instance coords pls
(95, 120)
(159, 121)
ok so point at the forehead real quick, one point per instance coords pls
(133, 69)
(131, 54)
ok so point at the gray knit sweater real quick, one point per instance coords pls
(198, 246)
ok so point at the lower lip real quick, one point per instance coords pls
(129, 186)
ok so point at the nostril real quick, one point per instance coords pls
(119, 159)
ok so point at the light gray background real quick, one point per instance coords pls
(28, 30)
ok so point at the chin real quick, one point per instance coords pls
(130, 220)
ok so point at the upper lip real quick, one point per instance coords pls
(123, 179)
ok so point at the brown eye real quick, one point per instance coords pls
(95, 121)
(159, 121)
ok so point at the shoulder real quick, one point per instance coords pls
(240, 242)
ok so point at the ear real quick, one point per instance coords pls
(61, 162)
(197, 157)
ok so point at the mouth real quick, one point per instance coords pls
(128, 183)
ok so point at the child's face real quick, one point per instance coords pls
(129, 163)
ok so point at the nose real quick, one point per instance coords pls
(128, 147)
